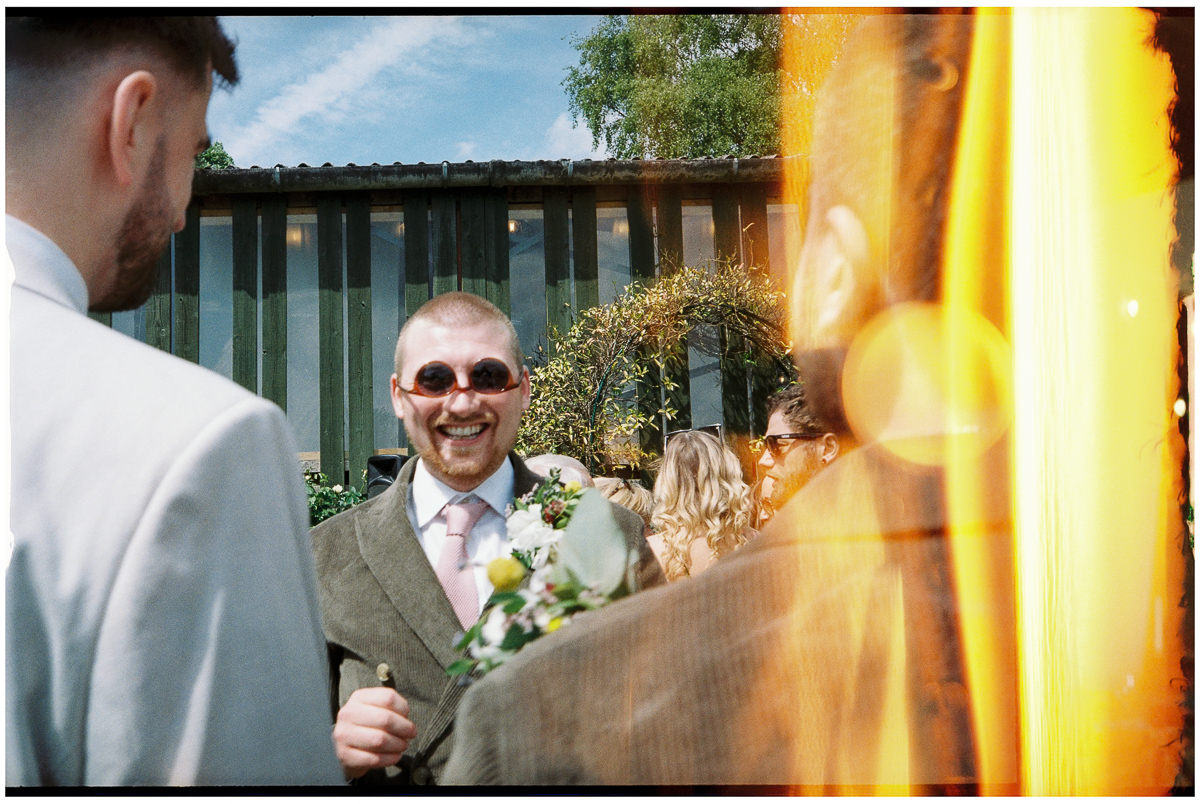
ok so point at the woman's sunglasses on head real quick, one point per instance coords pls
(488, 376)
(713, 430)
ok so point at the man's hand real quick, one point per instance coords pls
(372, 730)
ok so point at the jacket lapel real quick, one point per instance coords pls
(524, 480)
(394, 555)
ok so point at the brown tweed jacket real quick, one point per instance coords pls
(381, 602)
(782, 664)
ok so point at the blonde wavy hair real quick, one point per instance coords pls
(699, 494)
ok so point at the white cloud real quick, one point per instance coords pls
(564, 141)
(466, 150)
(331, 95)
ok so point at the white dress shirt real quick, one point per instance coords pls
(487, 540)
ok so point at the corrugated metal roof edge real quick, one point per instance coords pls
(494, 173)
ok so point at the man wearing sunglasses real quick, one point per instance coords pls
(798, 444)
(460, 387)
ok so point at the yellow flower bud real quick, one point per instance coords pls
(573, 487)
(553, 625)
(505, 573)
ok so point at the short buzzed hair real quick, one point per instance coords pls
(459, 309)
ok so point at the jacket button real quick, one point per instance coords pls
(421, 775)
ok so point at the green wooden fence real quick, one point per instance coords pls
(456, 221)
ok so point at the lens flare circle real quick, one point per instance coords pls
(923, 379)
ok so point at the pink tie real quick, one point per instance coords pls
(457, 577)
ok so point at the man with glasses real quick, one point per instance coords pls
(393, 590)
(797, 445)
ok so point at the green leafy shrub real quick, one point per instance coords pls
(325, 500)
(581, 406)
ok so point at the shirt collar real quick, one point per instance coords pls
(430, 495)
(41, 266)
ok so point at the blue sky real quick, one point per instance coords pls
(385, 89)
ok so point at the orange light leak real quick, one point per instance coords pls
(1042, 380)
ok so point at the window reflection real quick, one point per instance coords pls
(527, 275)
(612, 251)
(216, 293)
(387, 304)
(303, 375)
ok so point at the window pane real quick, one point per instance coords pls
(216, 293)
(387, 301)
(303, 335)
(697, 234)
(612, 251)
(783, 232)
(131, 323)
(527, 276)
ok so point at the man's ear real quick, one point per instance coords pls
(526, 391)
(131, 135)
(396, 406)
(828, 448)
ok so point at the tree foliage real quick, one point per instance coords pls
(690, 85)
(680, 86)
(581, 402)
(214, 158)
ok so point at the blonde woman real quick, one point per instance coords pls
(702, 507)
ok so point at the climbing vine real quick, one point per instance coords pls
(583, 401)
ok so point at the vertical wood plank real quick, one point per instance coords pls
(274, 306)
(186, 330)
(358, 337)
(331, 360)
(677, 380)
(558, 262)
(642, 269)
(496, 250)
(735, 399)
(416, 251)
(583, 233)
(726, 230)
(445, 246)
(755, 244)
(641, 235)
(245, 293)
(474, 242)
(158, 309)
(670, 227)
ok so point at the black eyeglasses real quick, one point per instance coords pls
(776, 448)
(713, 430)
(488, 376)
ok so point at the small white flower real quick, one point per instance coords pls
(494, 627)
(485, 652)
(338, 488)
(529, 534)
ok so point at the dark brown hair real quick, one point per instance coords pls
(58, 44)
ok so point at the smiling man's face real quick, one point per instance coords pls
(463, 437)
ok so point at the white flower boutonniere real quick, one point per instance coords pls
(568, 555)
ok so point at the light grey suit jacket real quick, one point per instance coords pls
(382, 602)
(162, 623)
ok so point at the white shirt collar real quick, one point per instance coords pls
(41, 266)
(430, 495)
